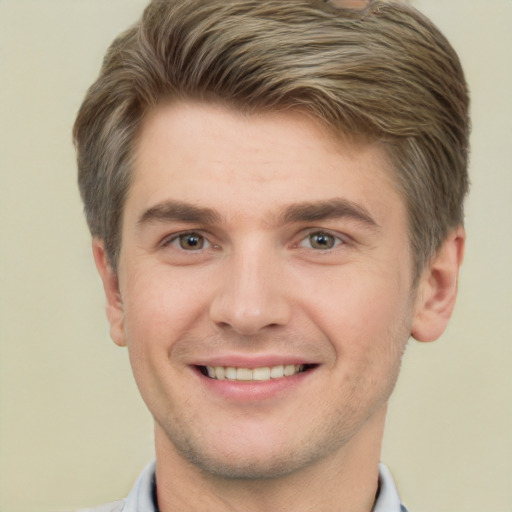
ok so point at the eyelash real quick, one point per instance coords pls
(176, 238)
(337, 239)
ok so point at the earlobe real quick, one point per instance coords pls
(437, 289)
(114, 309)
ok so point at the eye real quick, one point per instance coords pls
(321, 240)
(190, 241)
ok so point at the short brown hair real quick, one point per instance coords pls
(384, 73)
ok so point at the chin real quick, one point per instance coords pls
(248, 467)
(267, 457)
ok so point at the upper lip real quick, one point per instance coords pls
(252, 361)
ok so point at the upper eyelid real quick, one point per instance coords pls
(167, 239)
(336, 234)
(302, 235)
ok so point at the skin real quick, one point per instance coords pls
(257, 241)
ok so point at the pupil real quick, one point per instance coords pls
(322, 241)
(191, 241)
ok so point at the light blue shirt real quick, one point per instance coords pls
(142, 496)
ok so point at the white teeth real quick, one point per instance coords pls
(230, 373)
(243, 374)
(289, 369)
(220, 372)
(276, 372)
(259, 374)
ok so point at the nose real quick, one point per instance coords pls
(252, 293)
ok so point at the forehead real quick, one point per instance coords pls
(215, 156)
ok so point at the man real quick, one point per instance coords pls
(275, 192)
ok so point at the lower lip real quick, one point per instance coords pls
(253, 391)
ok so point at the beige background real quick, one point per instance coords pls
(74, 431)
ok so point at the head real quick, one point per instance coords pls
(380, 74)
(265, 183)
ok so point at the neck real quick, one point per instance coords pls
(346, 481)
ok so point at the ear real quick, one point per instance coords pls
(437, 289)
(115, 312)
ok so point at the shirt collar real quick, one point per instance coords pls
(387, 497)
(142, 497)
(143, 494)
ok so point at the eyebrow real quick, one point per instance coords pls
(324, 210)
(171, 210)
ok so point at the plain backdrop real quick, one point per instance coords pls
(73, 429)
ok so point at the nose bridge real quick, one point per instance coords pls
(251, 294)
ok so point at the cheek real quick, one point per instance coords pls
(152, 319)
(368, 312)
(367, 326)
(160, 304)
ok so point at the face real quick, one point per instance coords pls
(264, 288)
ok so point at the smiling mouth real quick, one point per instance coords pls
(261, 374)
